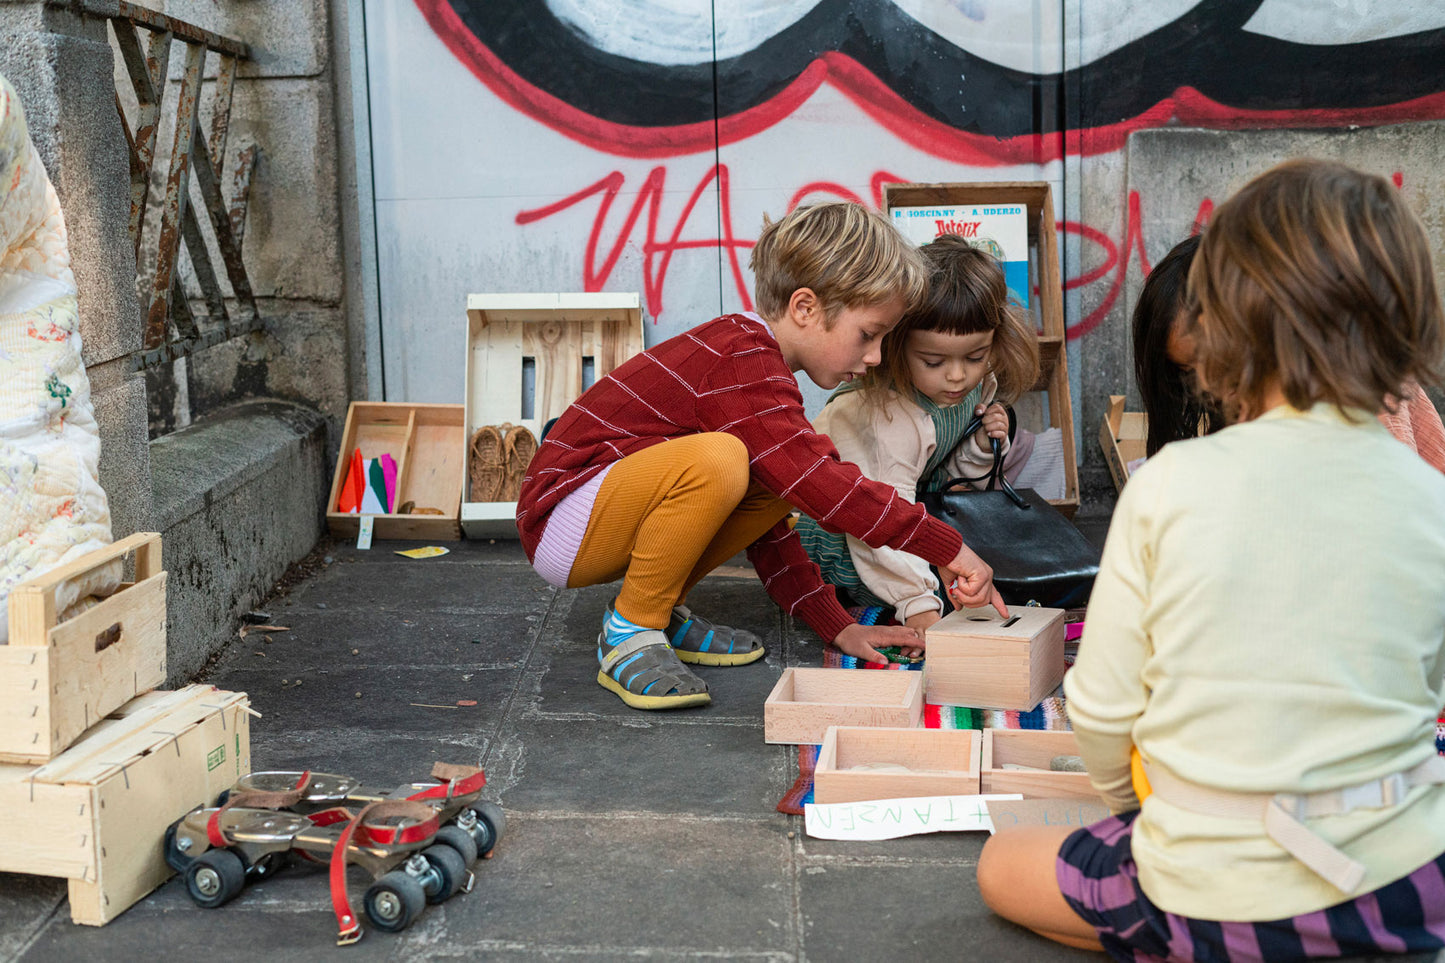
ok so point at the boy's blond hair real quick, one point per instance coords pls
(845, 253)
(1317, 277)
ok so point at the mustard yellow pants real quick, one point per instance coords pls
(666, 516)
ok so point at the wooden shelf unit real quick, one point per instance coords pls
(1047, 307)
(550, 341)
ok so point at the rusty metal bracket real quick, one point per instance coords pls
(171, 329)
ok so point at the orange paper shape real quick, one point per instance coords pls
(350, 498)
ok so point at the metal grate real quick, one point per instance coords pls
(171, 329)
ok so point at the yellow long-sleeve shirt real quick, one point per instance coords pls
(1269, 617)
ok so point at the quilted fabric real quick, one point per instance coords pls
(52, 508)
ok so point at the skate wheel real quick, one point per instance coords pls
(491, 824)
(450, 872)
(215, 877)
(460, 840)
(394, 901)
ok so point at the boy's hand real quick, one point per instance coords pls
(970, 582)
(995, 425)
(859, 641)
(920, 622)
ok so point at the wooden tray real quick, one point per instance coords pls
(805, 702)
(427, 443)
(945, 762)
(1032, 747)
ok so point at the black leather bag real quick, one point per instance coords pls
(1036, 553)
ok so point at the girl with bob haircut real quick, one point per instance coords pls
(965, 351)
(1265, 634)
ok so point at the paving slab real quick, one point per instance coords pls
(630, 834)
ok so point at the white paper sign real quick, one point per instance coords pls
(892, 818)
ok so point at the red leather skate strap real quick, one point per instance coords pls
(365, 827)
(453, 780)
(254, 799)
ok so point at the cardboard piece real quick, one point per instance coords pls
(893, 818)
(1009, 812)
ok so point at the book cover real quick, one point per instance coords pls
(1000, 229)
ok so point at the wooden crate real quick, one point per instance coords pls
(427, 443)
(1124, 436)
(942, 762)
(1049, 405)
(805, 702)
(1034, 748)
(97, 813)
(57, 679)
(978, 658)
(529, 356)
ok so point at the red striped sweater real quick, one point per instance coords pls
(729, 375)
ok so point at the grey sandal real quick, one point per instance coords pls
(645, 673)
(702, 643)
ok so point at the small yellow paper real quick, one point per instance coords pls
(426, 551)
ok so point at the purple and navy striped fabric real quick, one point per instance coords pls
(1098, 878)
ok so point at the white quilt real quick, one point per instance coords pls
(52, 508)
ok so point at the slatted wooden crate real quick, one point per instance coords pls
(529, 356)
(426, 441)
(96, 815)
(1049, 405)
(59, 678)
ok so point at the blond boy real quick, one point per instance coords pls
(699, 448)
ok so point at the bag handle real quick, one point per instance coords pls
(995, 476)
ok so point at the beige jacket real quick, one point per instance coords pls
(891, 443)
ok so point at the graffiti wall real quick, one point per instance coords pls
(587, 145)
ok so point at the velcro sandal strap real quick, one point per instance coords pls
(631, 644)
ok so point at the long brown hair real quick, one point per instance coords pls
(1174, 409)
(966, 295)
(1318, 277)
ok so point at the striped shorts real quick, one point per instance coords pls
(1098, 878)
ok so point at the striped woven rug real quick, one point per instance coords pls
(1048, 714)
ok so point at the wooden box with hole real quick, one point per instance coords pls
(59, 676)
(529, 356)
(1048, 404)
(862, 763)
(1005, 749)
(424, 443)
(97, 814)
(805, 702)
(979, 659)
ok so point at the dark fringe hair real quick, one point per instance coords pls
(1173, 406)
(966, 295)
(1317, 277)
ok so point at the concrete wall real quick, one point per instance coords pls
(598, 145)
(238, 493)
